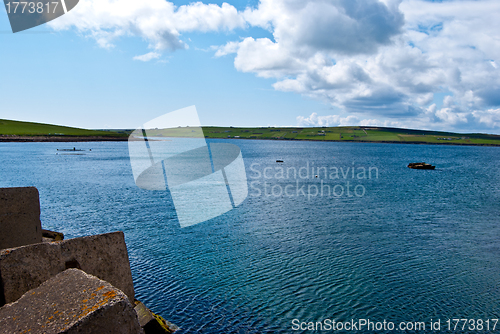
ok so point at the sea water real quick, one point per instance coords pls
(338, 231)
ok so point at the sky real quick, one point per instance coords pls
(120, 63)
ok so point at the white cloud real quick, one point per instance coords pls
(263, 57)
(148, 56)
(345, 27)
(490, 118)
(384, 68)
(201, 17)
(230, 47)
(157, 21)
(331, 120)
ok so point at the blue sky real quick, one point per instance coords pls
(118, 64)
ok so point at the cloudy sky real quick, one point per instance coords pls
(119, 63)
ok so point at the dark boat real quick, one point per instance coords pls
(420, 165)
(70, 150)
(279, 160)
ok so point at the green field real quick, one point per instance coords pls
(354, 134)
(17, 128)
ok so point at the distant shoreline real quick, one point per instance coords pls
(73, 139)
(58, 139)
(367, 141)
(17, 131)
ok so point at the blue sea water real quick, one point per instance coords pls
(395, 245)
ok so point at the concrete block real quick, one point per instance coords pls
(25, 268)
(19, 217)
(71, 302)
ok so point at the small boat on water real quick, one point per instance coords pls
(420, 165)
(279, 160)
(74, 149)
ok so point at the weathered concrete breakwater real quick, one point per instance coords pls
(81, 285)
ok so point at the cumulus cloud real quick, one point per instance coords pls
(148, 56)
(490, 117)
(331, 120)
(381, 60)
(342, 26)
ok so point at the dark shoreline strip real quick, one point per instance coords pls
(39, 139)
(365, 141)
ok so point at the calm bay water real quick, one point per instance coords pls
(402, 245)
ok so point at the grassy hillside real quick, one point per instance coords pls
(344, 133)
(18, 128)
(354, 134)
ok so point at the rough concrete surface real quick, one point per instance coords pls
(25, 268)
(19, 217)
(71, 302)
